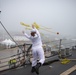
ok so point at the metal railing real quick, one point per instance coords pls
(16, 60)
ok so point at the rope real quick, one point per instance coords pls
(9, 35)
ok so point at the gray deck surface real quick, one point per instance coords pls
(56, 69)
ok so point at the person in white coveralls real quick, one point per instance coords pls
(37, 49)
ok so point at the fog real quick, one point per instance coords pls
(60, 15)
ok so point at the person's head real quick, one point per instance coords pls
(33, 32)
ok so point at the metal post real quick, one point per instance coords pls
(0, 16)
(24, 51)
(60, 47)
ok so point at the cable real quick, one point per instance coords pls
(9, 34)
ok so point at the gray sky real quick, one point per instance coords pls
(60, 15)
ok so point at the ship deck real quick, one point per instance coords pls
(55, 68)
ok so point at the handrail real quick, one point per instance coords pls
(18, 53)
(18, 57)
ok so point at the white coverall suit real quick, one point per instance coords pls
(37, 49)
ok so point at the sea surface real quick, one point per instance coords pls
(53, 44)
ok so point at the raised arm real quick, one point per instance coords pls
(36, 30)
(27, 36)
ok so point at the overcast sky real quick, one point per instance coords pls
(60, 15)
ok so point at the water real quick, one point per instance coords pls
(8, 52)
(54, 46)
